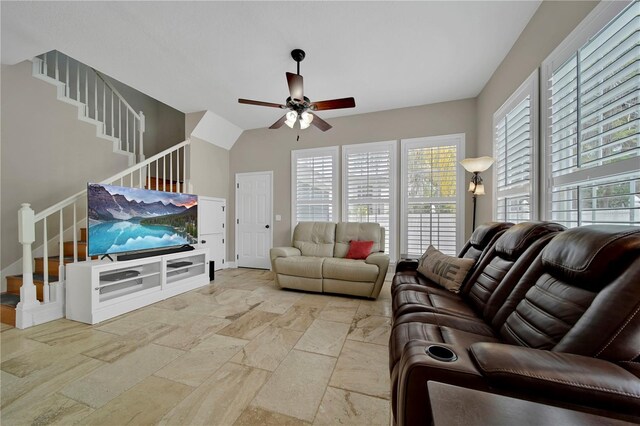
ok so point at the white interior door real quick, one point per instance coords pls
(211, 224)
(254, 211)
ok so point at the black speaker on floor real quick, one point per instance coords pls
(212, 272)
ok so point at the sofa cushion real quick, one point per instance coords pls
(300, 266)
(406, 301)
(349, 270)
(315, 238)
(348, 231)
(447, 271)
(519, 238)
(585, 256)
(359, 249)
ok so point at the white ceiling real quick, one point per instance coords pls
(198, 56)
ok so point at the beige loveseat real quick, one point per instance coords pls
(316, 262)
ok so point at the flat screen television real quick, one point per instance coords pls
(123, 219)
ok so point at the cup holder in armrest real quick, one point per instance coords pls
(441, 353)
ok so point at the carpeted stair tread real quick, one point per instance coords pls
(65, 259)
(9, 299)
(39, 277)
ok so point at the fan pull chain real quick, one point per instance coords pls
(298, 138)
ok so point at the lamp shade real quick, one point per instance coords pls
(479, 164)
(479, 189)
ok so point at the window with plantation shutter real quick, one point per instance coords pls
(592, 120)
(432, 191)
(369, 186)
(314, 185)
(514, 145)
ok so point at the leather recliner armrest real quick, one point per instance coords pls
(416, 368)
(276, 252)
(559, 376)
(407, 265)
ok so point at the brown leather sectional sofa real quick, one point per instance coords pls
(547, 314)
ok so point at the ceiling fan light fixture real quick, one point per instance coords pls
(292, 116)
(306, 117)
(298, 104)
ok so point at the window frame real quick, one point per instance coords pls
(598, 19)
(296, 154)
(530, 87)
(392, 146)
(461, 200)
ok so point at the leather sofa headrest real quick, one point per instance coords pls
(591, 256)
(484, 233)
(517, 239)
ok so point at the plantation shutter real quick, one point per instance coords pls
(314, 181)
(368, 182)
(593, 132)
(431, 196)
(514, 129)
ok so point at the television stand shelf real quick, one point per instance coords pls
(97, 290)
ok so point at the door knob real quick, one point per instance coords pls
(203, 241)
(266, 226)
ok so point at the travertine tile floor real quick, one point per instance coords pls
(239, 351)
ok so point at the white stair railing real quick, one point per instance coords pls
(171, 164)
(102, 101)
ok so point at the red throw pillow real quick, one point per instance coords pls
(359, 249)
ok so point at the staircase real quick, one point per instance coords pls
(9, 299)
(98, 101)
(37, 295)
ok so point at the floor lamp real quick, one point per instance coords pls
(476, 187)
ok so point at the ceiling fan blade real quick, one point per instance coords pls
(260, 103)
(320, 123)
(333, 104)
(279, 123)
(295, 86)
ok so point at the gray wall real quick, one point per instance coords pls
(209, 169)
(548, 27)
(47, 153)
(264, 149)
(191, 120)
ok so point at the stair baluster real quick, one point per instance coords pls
(26, 236)
(45, 263)
(61, 247)
(75, 236)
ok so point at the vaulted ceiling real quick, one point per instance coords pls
(198, 56)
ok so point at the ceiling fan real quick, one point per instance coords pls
(300, 107)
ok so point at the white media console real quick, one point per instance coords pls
(97, 290)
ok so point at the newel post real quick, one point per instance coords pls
(142, 129)
(26, 237)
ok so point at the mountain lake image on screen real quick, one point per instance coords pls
(123, 219)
